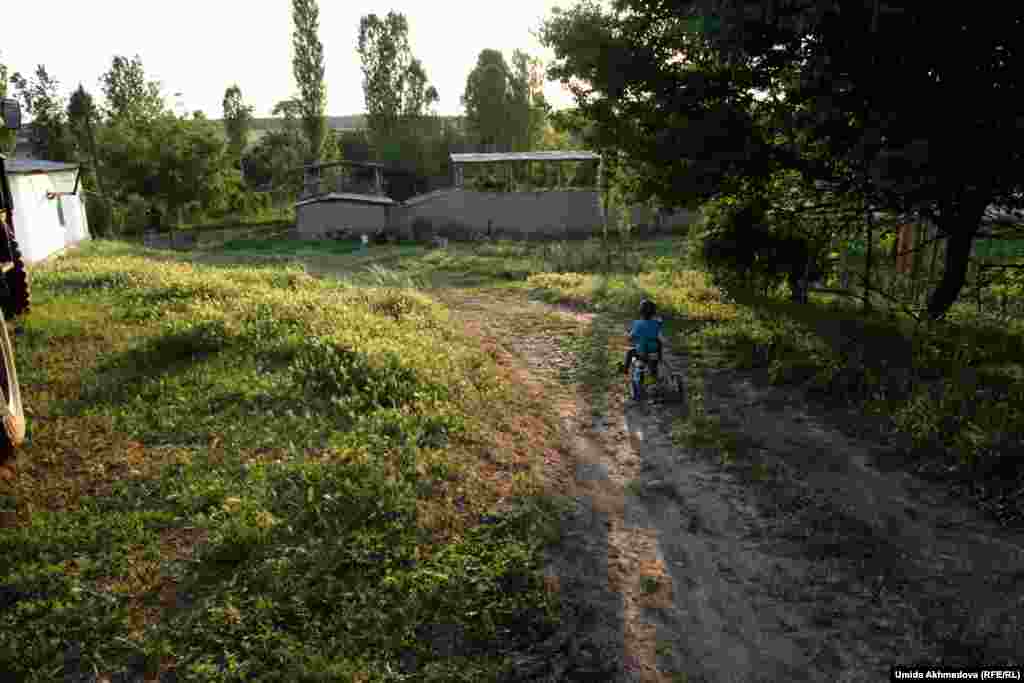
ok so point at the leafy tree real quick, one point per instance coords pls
(176, 163)
(505, 105)
(395, 83)
(41, 99)
(488, 97)
(83, 118)
(419, 95)
(714, 97)
(6, 136)
(237, 120)
(529, 108)
(308, 67)
(275, 160)
(129, 95)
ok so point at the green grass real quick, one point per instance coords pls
(282, 247)
(911, 377)
(953, 392)
(236, 469)
(245, 473)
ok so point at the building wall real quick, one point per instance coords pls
(316, 219)
(552, 213)
(458, 212)
(37, 223)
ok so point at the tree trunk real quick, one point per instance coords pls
(961, 230)
(95, 158)
(867, 262)
(935, 246)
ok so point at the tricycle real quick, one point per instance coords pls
(651, 377)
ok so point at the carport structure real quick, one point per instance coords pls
(510, 161)
(342, 179)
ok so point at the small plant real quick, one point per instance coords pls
(649, 584)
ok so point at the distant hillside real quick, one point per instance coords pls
(354, 121)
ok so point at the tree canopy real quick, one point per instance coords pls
(505, 105)
(129, 95)
(395, 83)
(237, 120)
(41, 99)
(713, 96)
(308, 68)
(6, 136)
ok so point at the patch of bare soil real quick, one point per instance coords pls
(797, 560)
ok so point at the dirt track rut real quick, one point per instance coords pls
(678, 565)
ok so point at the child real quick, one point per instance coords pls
(645, 335)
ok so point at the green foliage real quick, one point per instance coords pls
(951, 390)
(237, 120)
(82, 116)
(298, 439)
(129, 96)
(505, 106)
(395, 83)
(308, 69)
(174, 162)
(7, 137)
(278, 155)
(800, 90)
(487, 97)
(51, 137)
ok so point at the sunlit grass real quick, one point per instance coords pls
(239, 470)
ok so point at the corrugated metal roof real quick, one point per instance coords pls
(37, 166)
(484, 158)
(331, 164)
(347, 197)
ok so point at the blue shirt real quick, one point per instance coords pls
(644, 335)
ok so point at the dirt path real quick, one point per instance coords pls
(796, 559)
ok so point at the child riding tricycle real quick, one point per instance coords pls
(644, 360)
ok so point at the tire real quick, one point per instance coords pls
(12, 413)
(19, 294)
(637, 384)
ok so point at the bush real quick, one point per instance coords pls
(100, 215)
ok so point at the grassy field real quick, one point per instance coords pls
(949, 393)
(243, 472)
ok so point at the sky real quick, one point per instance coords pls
(198, 48)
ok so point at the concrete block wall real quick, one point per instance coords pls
(553, 213)
(458, 212)
(315, 219)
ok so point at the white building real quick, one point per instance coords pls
(49, 215)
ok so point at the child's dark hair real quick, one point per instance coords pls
(647, 309)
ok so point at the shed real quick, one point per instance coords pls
(49, 215)
(342, 197)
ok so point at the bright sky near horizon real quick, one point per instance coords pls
(199, 48)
